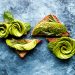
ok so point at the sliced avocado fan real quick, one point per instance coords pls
(21, 45)
(17, 28)
(49, 29)
(62, 48)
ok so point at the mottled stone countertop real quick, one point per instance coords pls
(40, 61)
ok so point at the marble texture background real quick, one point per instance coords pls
(39, 61)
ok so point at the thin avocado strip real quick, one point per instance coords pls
(8, 16)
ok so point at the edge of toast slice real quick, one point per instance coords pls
(51, 39)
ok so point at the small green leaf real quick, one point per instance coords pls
(28, 27)
(8, 16)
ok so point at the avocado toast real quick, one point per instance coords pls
(22, 46)
(44, 27)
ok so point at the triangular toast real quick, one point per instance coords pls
(50, 18)
(17, 45)
(22, 54)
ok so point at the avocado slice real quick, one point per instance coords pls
(21, 45)
(50, 25)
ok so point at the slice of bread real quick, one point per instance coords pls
(50, 18)
(52, 39)
(22, 54)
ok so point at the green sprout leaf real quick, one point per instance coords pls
(8, 16)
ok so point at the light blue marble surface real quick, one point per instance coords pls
(39, 61)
